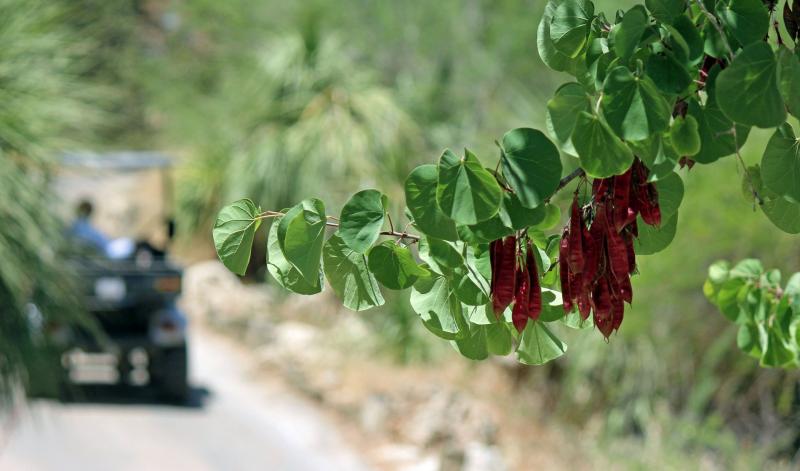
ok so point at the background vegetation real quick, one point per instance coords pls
(338, 96)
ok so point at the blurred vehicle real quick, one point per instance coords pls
(129, 284)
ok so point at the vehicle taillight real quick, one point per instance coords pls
(171, 284)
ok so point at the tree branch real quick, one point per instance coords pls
(578, 172)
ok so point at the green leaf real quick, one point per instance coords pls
(498, 339)
(747, 91)
(466, 192)
(301, 233)
(670, 195)
(629, 33)
(685, 135)
(440, 310)
(562, 111)
(668, 74)
(440, 255)
(531, 164)
(789, 79)
(474, 346)
(784, 214)
(749, 268)
(233, 234)
(780, 166)
(551, 56)
(690, 34)
(716, 139)
(362, 218)
(602, 153)
(747, 20)
(520, 217)
(633, 106)
(394, 266)
(469, 289)
(655, 239)
(569, 26)
(666, 11)
(349, 276)
(551, 218)
(282, 271)
(420, 189)
(538, 345)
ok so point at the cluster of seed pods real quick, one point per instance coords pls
(515, 279)
(597, 259)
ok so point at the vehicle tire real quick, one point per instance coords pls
(171, 378)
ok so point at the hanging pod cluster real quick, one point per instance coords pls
(596, 260)
(515, 279)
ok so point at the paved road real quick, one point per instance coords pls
(237, 425)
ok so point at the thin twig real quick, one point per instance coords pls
(713, 20)
(578, 172)
(389, 218)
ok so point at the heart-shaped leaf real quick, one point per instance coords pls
(466, 192)
(420, 189)
(666, 11)
(538, 345)
(569, 27)
(562, 111)
(633, 106)
(349, 276)
(284, 272)
(655, 239)
(601, 152)
(747, 20)
(362, 218)
(233, 234)
(747, 91)
(394, 266)
(685, 135)
(531, 164)
(301, 233)
(780, 166)
(440, 310)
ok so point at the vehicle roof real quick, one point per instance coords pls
(118, 160)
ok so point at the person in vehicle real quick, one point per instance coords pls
(87, 235)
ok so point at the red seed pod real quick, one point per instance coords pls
(622, 191)
(575, 258)
(624, 289)
(584, 305)
(535, 288)
(601, 300)
(591, 260)
(617, 253)
(519, 314)
(600, 187)
(505, 283)
(597, 234)
(566, 285)
(617, 312)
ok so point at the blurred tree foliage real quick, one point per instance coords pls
(46, 104)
